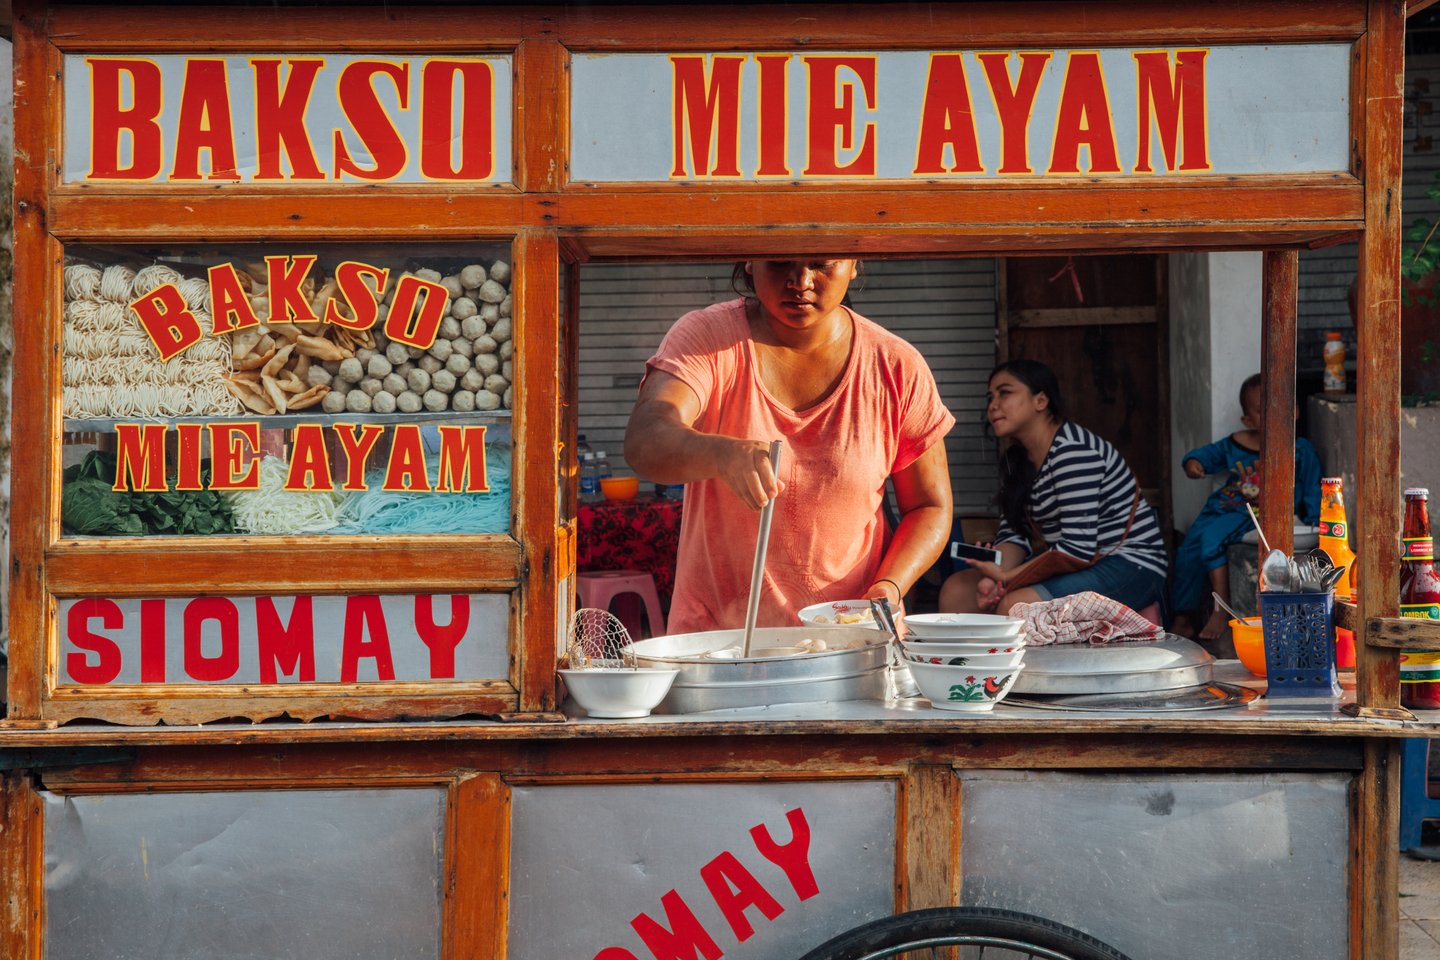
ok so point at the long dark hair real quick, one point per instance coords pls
(1017, 473)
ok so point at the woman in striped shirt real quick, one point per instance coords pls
(1062, 484)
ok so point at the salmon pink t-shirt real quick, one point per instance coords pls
(828, 534)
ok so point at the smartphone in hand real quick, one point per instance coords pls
(966, 551)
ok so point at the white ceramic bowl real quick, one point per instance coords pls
(809, 615)
(934, 648)
(981, 661)
(958, 626)
(963, 688)
(618, 693)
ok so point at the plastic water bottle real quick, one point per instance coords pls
(589, 480)
(675, 491)
(581, 447)
(602, 466)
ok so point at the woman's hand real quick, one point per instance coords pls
(988, 593)
(886, 590)
(746, 469)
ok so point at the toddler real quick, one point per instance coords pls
(1200, 561)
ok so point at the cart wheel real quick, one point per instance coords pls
(1005, 933)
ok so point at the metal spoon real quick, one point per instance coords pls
(1332, 577)
(762, 543)
(1275, 572)
(1226, 607)
(1321, 559)
(1256, 520)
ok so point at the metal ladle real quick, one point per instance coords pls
(762, 543)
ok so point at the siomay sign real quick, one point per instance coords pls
(277, 119)
(269, 641)
(960, 113)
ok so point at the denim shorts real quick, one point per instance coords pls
(1113, 577)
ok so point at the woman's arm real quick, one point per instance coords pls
(922, 491)
(661, 445)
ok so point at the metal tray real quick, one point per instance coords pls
(702, 685)
(1127, 666)
(1211, 696)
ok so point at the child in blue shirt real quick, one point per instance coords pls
(1200, 563)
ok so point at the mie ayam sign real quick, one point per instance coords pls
(961, 114)
(275, 119)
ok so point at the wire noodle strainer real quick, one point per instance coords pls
(599, 641)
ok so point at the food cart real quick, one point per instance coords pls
(274, 740)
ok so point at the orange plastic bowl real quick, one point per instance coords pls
(620, 488)
(1249, 639)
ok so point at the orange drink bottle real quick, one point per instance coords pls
(1419, 597)
(1335, 534)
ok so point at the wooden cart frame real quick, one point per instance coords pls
(556, 224)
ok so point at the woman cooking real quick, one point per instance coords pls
(1064, 485)
(854, 406)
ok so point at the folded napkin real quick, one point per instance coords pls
(1081, 617)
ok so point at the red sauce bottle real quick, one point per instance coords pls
(1419, 597)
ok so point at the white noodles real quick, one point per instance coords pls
(112, 368)
(276, 511)
(116, 283)
(82, 282)
(153, 277)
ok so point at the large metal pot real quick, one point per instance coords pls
(706, 684)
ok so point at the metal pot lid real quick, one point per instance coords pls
(1210, 696)
(1121, 656)
(1126, 666)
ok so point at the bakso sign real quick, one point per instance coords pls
(948, 114)
(271, 641)
(277, 119)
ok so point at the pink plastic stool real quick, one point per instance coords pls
(1152, 613)
(598, 588)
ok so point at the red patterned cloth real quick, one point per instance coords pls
(1083, 617)
(641, 534)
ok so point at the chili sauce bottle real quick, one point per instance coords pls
(1419, 597)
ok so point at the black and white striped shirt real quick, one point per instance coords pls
(1081, 501)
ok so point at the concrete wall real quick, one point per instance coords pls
(1215, 304)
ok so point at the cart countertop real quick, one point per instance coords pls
(1263, 717)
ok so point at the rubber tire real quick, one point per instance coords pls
(903, 928)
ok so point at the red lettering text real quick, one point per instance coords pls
(225, 665)
(828, 117)
(187, 476)
(947, 120)
(462, 460)
(709, 111)
(362, 107)
(152, 641)
(793, 857)
(363, 298)
(406, 469)
(437, 125)
(168, 321)
(442, 641)
(280, 120)
(411, 327)
(109, 118)
(683, 939)
(365, 615)
(1014, 104)
(774, 109)
(1084, 117)
(291, 647)
(309, 460)
(204, 123)
(1178, 97)
(228, 456)
(107, 663)
(140, 457)
(288, 303)
(357, 449)
(719, 874)
(229, 305)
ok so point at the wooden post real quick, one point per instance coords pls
(1277, 441)
(35, 493)
(1377, 501)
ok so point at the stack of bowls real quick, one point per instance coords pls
(964, 661)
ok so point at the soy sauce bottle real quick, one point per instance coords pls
(1419, 597)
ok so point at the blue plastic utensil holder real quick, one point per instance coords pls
(1299, 644)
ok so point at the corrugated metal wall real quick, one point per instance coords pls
(946, 308)
(1325, 274)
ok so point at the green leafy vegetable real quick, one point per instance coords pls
(89, 506)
